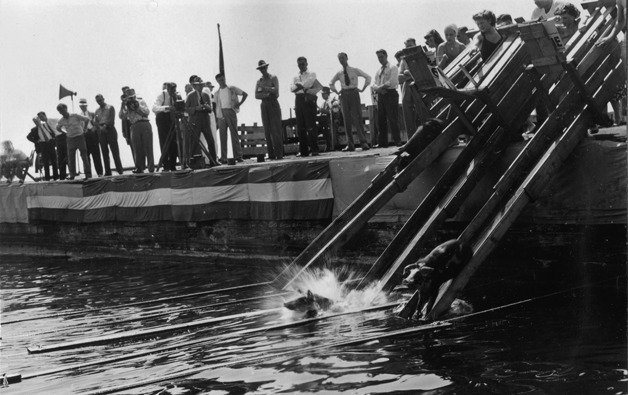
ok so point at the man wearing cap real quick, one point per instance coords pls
(43, 137)
(385, 85)
(105, 117)
(91, 137)
(165, 119)
(267, 90)
(198, 105)
(136, 111)
(227, 108)
(305, 87)
(350, 100)
(73, 124)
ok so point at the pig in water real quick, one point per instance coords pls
(309, 304)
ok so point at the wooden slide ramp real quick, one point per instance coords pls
(490, 101)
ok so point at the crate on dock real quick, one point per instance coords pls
(544, 45)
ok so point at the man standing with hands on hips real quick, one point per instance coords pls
(350, 100)
(227, 108)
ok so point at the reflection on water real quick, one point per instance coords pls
(569, 342)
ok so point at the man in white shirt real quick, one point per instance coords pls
(73, 124)
(91, 137)
(385, 86)
(227, 107)
(350, 100)
(305, 88)
(165, 120)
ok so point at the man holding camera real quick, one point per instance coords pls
(44, 139)
(165, 118)
(136, 111)
(107, 134)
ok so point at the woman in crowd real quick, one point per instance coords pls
(448, 50)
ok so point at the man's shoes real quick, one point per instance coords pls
(347, 149)
(376, 146)
(70, 178)
(300, 155)
(223, 161)
(314, 153)
(240, 160)
(365, 148)
(137, 171)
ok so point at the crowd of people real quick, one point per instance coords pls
(204, 122)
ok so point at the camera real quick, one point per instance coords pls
(132, 104)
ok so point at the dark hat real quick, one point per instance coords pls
(130, 93)
(196, 80)
(83, 101)
(326, 89)
(261, 64)
(192, 78)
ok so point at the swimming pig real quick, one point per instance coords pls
(310, 304)
(429, 273)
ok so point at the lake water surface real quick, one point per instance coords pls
(564, 331)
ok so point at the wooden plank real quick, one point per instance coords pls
(535, 182)
(321, 242)
(447, 195)
(367, 208)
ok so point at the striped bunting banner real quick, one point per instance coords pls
(294, 191)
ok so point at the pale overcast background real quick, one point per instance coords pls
(98, 46)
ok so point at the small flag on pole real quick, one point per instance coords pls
(63, 92)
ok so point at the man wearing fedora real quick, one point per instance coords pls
(350, 100)
(227, 108)
(105, 117)
(91, 137)
(136, 112)
(198, 105)
(267, 90)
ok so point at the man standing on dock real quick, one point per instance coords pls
(385, 86)
(227, 108)
(73, 124)
(304, 86)
(91, 137)
(105, 117)
(44, 139)
(350, 100)
(267, 90)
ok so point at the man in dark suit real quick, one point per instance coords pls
(42, 135)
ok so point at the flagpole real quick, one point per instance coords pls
(221, 68)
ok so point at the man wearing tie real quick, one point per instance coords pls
(350, 100)
(91, 137)
(43, 137)
(385, 85)
(198, 106)
(165, 120)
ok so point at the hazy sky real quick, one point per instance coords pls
(98, 46)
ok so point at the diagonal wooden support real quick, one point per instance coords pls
(600, 117)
